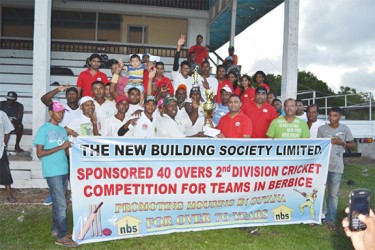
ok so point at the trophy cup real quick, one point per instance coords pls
(195, 76)
(208, 108)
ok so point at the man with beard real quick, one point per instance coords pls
(92, 74)
(260, 113)
(84, 124)
(288, 126)
(235, 124)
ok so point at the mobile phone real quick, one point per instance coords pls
(359, 203)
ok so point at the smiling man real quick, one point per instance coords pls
(235, 124)
(288, 126)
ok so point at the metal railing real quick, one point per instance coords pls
(92, 47)
(347, 103)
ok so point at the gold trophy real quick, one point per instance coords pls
(195, 76)
(208, 108)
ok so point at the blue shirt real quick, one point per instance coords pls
(219, 112)
(51, 136)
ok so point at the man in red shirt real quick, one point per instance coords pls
(222, 81)
(200, 51)
(235, 124)
(260, 113)
(92, 74)
(162, 81)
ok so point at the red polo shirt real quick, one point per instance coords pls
(261, 118)
(85, 80)
(235, 127)
(200, 53)
(164, 81)
(226, 82)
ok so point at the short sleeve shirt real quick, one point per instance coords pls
(336, 160)
(235, 127)
(52, 136)
(261, 118)
(280, 128)
(85, 80)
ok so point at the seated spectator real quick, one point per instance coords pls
(5, 176)
(288, 126)
(112, 124)
(260, 79)
(222, 108)
(235, 124)
(14, 111)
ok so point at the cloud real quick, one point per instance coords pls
(361, 80)
(337, 32)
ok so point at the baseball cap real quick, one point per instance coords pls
(150, 98)
(71, 89)
(260, 89)
(168, 100)
(160, 102)
(12, 95)
(194, 89)
(120, 98)
(187, 100)
(226, 88)
(56, 107)
(182, 86)
(85, 99)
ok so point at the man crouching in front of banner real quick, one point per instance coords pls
(52, 145)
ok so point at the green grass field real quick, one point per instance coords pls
(34, 231)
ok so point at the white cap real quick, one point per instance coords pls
(227, 89)
(85, 99)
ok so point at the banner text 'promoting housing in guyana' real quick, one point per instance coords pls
(125, 187)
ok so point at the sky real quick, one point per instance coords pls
(336, 43)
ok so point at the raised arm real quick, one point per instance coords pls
(47, 98)
(180, 42)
